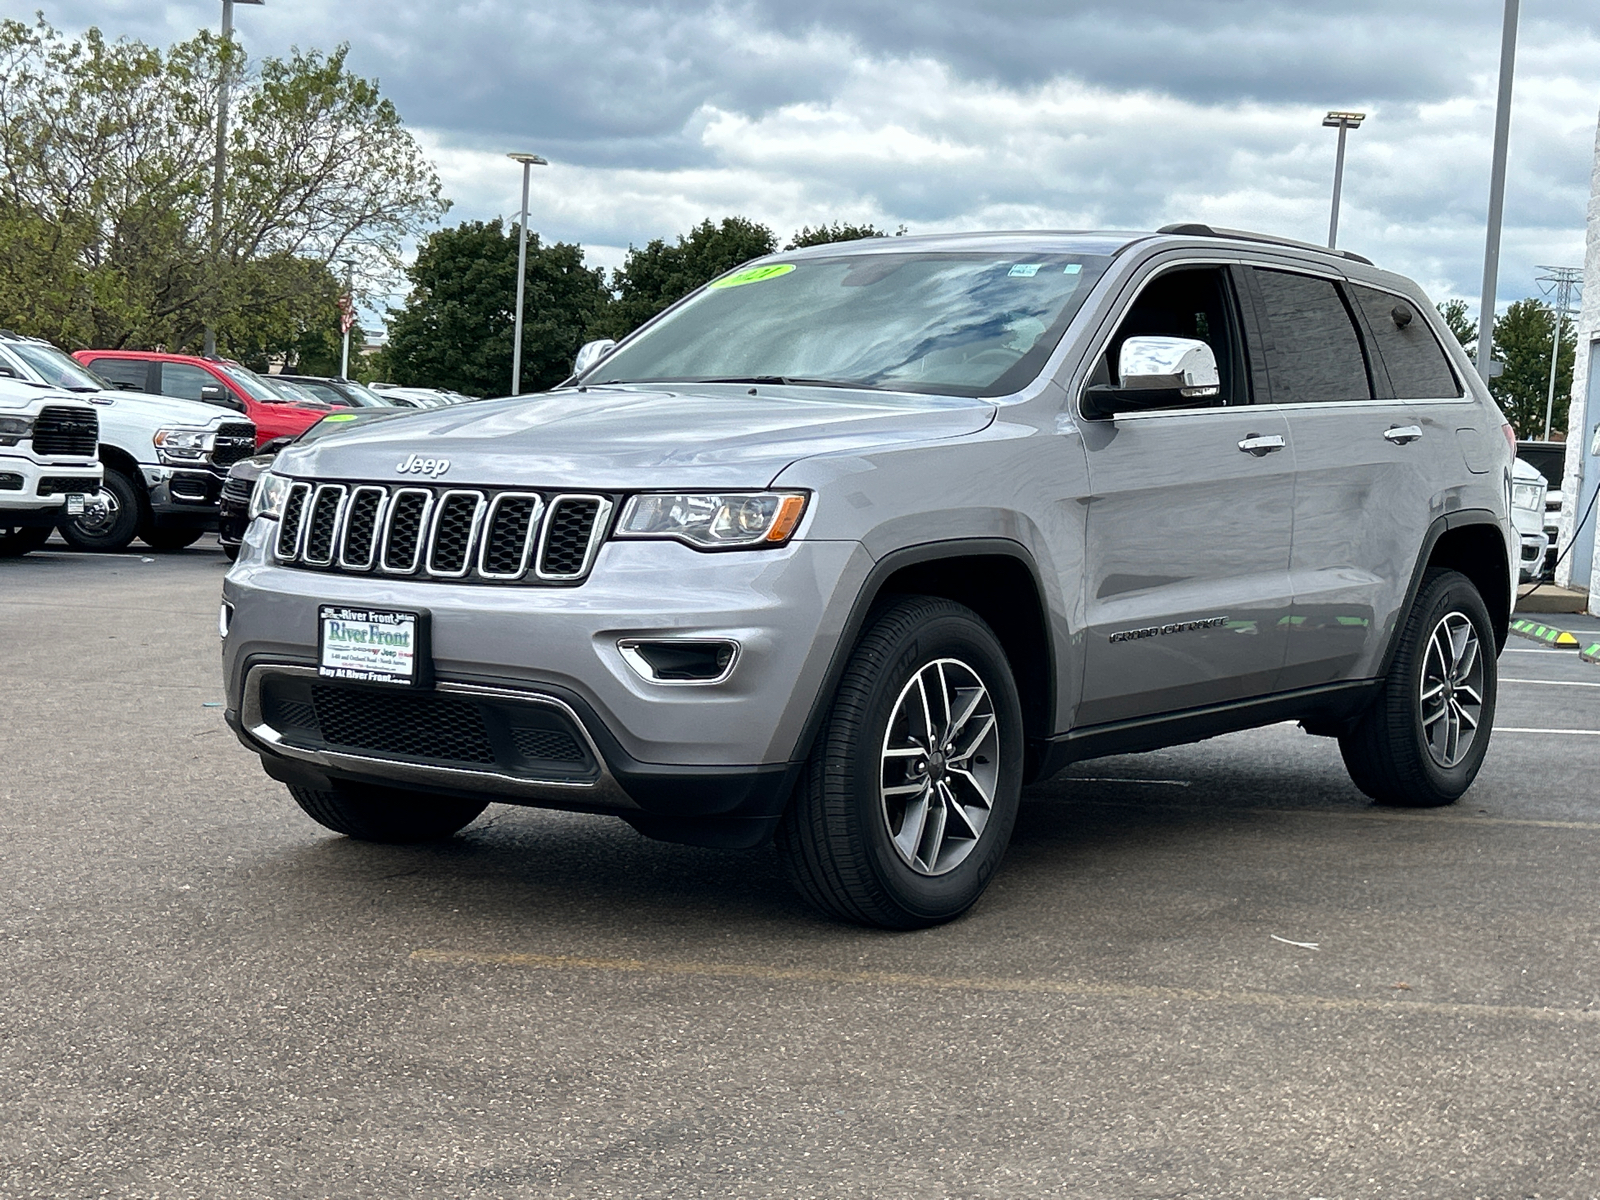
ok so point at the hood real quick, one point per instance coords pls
(622, 438)
(162, 410)
(1526, 472)
(16, 395)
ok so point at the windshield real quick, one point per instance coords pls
(336, 422)
(259, 389)
(366, 394)
(965, 324)
(57, 368)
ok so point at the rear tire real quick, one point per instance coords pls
(880, 830)
(378, 814)
(124, 504)
(1422, 742)
(231, 551)
(15, 542)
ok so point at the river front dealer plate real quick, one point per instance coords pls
(373, 645)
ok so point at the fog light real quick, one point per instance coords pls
(680, 660)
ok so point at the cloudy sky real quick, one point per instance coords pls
(944, 115)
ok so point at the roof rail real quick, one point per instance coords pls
(1193, 229)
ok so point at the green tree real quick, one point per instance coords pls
(659, 274)
(1455, 317)
(823, 235)
(1522, 341)
(105, 200)
(455, 329)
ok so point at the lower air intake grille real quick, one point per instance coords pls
(415, 726)
(10, 481)
(547, 745)
(65, 485)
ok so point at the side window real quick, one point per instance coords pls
(134, 372)
(1191, 302)
(1411, 354)
(1309, 341)
(183, 381)
(323, 392)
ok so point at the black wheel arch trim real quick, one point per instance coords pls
(1460, 519)
(867, 599)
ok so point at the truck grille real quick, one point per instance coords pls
(69, 432)
(232, 443)
(468, 534)
(238, 490)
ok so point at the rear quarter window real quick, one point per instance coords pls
(1411, 354)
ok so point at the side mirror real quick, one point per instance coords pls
(11, 372)
(592, 353)
(273, 445)
(221, 397)
(1156, 372)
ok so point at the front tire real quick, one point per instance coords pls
(15, 542)
(1421, 744)
(122, 504)
(911, 790)
(378, 814)
(164, 540)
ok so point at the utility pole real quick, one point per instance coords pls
(528, 161)
(1564, 281)
(219, 171)
(1343, 122)
(1497, 193)
(347, 316)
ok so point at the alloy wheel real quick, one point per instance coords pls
(940, 766)
(1452, 689)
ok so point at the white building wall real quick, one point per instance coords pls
(1583, 468)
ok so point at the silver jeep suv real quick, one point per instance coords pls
(852, 543)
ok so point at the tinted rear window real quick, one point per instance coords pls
(1312, 350)
(134, 371)
(1416, 363)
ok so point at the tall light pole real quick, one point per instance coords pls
(528, 161)
(1344, 122)
(1564, 281)
(1497, 192)
(219, 170)
(347, 316)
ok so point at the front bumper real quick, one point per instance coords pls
(35, 492)
(183, 496)
(1534, 546)
(664, 755)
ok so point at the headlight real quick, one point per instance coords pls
(14, 429)
(181, 445)
(1527, 495)
(714, 520)
(267, 499)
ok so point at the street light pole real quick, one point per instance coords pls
(1497, 192)
(1343, 122)
(220, 166)
(528, 162)
(347, 316)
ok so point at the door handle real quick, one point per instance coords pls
(1259, 444)
(1401, 434)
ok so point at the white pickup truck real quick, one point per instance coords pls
(165, 458)
(48, 462)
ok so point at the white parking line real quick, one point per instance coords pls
(1522, 729)
(1520, 650)
(1555, 682)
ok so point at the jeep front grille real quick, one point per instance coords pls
(67, 432)
(467, 534)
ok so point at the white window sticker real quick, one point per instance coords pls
(1072, 268)
(1026, 269)
(368, 644)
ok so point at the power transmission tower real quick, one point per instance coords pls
(1563, 281)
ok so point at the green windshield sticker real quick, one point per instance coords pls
(341, 417)
(754, 275)
(1072, 268)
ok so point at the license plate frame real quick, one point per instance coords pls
(380, 647)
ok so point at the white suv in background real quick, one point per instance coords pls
(1528, 490)
(48, 465)
(165, 458)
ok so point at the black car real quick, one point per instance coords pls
(341, 393)
(233, 517)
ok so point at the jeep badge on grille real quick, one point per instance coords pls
(432, 467)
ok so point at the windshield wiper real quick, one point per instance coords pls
(792, 380)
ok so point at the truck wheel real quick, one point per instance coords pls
(378, 814)
(15, 542)
(113, 526)
(170, 539)
(1421, 743)
(911, 790)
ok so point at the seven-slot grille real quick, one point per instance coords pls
(70, 432)
(475, 535)
(232, 443)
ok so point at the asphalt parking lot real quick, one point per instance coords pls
(1208, 971)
